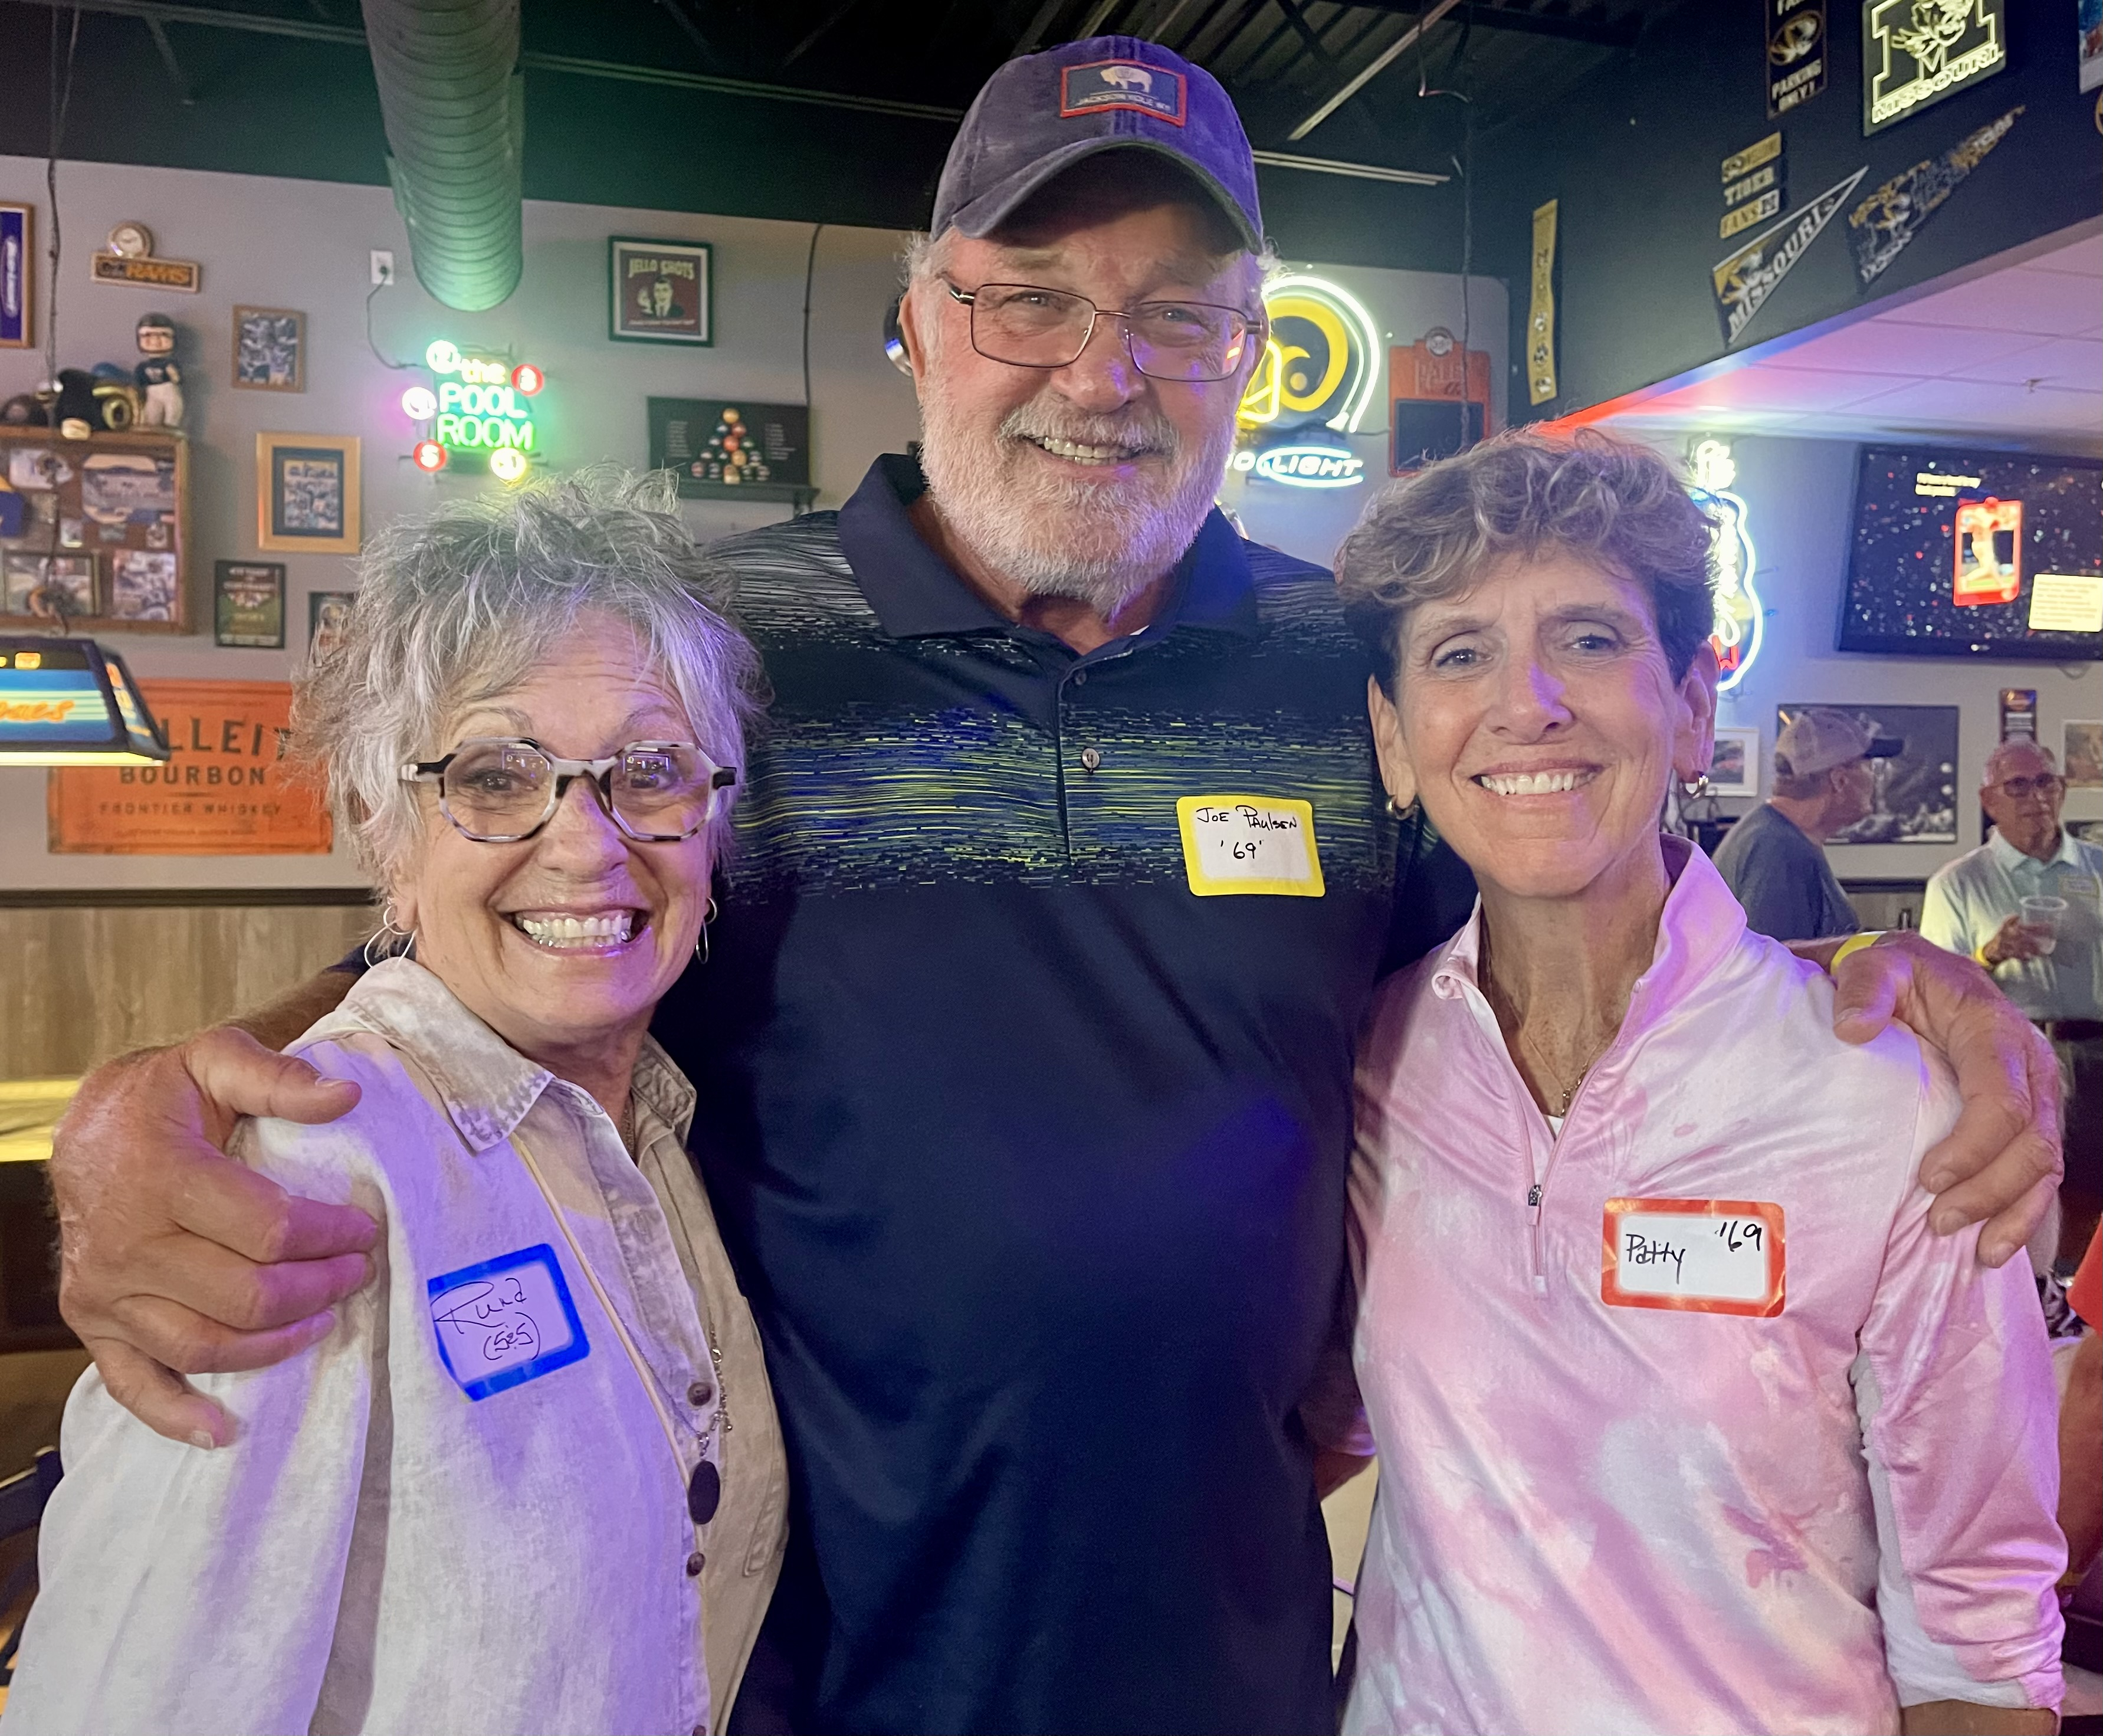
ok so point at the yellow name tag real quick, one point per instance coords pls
(1249, 844)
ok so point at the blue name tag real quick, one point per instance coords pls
(506, 1321)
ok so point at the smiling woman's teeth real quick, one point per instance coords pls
(612, 928)
(1532, 782)
(1084, 454)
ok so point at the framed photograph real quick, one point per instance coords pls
(327, 612)
(248, 604)
(2082, 760)
(306, 493)
(1734, 770)
(18, 276)
(269, 349)
(142, 585)
(41, 586)
(658, 291)
(1916, 790)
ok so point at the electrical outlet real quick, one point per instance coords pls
(383, 267)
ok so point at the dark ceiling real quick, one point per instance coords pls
(1284, 61)
(839, 110)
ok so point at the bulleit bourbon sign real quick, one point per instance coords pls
(222, 792)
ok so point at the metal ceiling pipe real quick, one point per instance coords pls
(454, 106)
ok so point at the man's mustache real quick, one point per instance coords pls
(1132, 435)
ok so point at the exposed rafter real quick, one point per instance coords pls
(1373, 68)
(167, 50)
(1608, 33)
(169, 11)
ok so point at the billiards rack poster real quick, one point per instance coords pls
(719, 449)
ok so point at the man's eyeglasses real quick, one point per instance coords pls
(503, 791)
(1181, 341)
(2048, 783)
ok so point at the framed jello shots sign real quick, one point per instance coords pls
(659, 291)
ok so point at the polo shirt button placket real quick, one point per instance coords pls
(699, 1393)
(1090, 760)
(695, 1563)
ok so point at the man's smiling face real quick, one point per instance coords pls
(1087, 481)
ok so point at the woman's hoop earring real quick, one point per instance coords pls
(388, 933)
(708, 915)
(1696, 789)
(1397, 809)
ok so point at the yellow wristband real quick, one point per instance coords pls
(1979, 954)
(1854, 944)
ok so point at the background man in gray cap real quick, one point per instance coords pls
(1773, 859)
(1024, 1053)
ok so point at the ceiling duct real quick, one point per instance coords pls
(454, 105)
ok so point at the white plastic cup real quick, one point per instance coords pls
(2041, 917)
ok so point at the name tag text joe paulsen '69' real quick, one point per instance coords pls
(1249, 844)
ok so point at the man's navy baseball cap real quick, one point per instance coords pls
(1040, 114)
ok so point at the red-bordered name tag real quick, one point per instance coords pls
(1705, 1256)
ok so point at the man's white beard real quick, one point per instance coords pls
(1099, 542)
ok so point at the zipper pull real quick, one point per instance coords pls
(1533, 1236)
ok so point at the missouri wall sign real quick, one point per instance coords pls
(1917, 53)
(1743, 281)
(1886, 219)
(1796, 53)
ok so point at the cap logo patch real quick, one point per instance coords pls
(1105, 84)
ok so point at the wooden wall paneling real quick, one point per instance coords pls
(81, 983)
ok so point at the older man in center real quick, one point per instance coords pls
(1023, 1056)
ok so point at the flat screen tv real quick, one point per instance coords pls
(1975, 554)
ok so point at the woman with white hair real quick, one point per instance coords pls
(488, 1500)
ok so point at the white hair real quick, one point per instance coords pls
(460, 608)
(1998, 760)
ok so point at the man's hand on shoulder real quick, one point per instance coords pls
(177, 1260)
(2001, 1162)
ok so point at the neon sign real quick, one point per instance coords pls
(1739, 611)
(1318, 364)
(479, 404)
(1305, 466)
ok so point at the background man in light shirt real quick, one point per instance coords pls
(1774, 858)
(2050, 966)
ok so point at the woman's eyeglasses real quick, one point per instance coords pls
(500, 792)
(1029, 327)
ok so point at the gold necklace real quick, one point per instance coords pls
(1501, 1004)
(1565, 1093)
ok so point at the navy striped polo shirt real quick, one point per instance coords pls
(1027, 1123)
